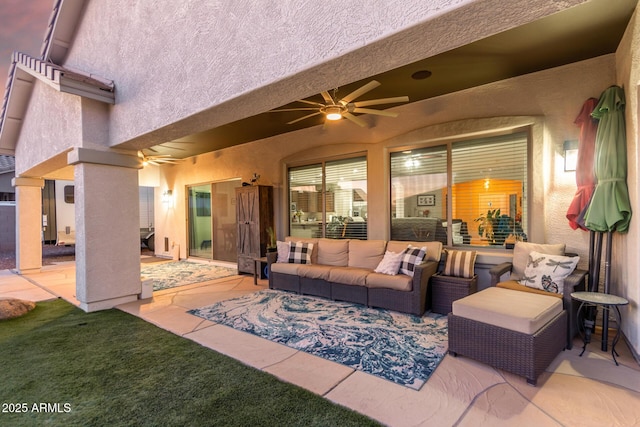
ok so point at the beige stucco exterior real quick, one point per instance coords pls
(177, 73)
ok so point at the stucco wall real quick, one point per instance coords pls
(188, 66)
(625, 267)
(51, 127)
(7, 227)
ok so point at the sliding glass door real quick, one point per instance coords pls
(212, 221)
(200, 222)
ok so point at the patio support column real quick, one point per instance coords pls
(107, 228)
(28, 224)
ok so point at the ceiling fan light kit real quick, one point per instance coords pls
(337, 109)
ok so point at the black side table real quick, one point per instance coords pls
(607, 301)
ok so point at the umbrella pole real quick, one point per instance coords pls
(589, 320)
(607, 280)
(597, 254)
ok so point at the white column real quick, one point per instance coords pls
(28, 224)
(107, 229)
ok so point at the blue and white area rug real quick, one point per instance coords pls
(179, 273)
(398, 347)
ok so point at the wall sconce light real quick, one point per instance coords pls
(570, 155)
(167, 196)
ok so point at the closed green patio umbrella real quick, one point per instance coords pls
(609, 209)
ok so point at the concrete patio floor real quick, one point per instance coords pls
(574, 391)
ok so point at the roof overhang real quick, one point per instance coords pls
(25, 70)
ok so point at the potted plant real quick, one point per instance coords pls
(271, 243)
(487, 224)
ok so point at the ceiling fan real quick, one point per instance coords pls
(335, 109)
(156, 160)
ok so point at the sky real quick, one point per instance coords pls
(22, 27)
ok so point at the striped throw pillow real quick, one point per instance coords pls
(460, 264)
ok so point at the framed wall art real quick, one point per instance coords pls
(427, 200)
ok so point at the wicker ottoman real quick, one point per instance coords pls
(508, 342)
(446, 289)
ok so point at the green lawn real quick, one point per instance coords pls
(63, 367)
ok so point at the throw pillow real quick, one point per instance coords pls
(390, 264)
(283, 251)
(548, 272)
(460, 264)
(410, 258)
(522, 250)
(300, 253)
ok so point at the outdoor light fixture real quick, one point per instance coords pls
(570, 155)
(167, 196)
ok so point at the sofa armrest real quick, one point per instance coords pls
(424, 271)
(421, 276)
(272, 257)
(576, 281)
(498, 270)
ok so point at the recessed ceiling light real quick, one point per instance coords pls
(421, 75)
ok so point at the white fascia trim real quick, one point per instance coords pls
(58, 81)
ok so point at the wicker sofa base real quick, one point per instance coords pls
(351, 293)
(315, 287)
(515, 352)
(284, 282)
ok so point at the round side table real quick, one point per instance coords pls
(607, 301)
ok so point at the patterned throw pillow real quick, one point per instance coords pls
(390, 264)
(460, 264)
(547, 272)
(283, 251)
(300, 253)
(411, 257)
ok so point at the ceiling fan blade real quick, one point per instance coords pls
(377, 112)
(361, 91)
(354, 119)
(304, 101)
(328, 98)
(294, 109)
(152, 149)
(173, 148)
(302, 118)
(382, 101)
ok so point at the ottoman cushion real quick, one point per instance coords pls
(514, 310)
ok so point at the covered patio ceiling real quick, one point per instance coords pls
(586, 31)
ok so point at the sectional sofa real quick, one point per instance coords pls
(344, 270)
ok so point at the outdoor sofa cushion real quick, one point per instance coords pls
(517, 311)
(366, 253)
(399, 282)
(333, 252)
(349, 275)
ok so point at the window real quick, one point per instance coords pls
(484, 192)
(329, 199)
(68, 194)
